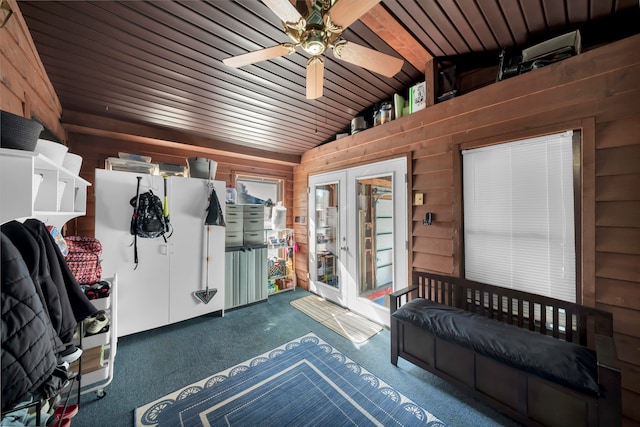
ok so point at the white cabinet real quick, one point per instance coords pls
(161, 289)
(32, 186)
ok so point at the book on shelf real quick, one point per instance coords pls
(417, 97)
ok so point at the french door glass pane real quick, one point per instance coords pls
(326, 232)
(375, 238)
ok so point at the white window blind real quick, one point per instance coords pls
(519, 215)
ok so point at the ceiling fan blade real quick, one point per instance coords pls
(346, 12)
(370, 59)
(315, 77)
(260, 55)
(285, 10)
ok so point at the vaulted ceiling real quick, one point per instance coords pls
(159, 63)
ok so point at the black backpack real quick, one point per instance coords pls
(148, 220)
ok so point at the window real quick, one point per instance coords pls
(254, 189)
(519, 227)
(264, 190)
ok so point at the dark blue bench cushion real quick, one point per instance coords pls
(559, 361)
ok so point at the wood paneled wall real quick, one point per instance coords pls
(597, 92)
(25, 88)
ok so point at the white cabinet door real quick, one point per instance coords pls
(190, 271)
(143, 294)
(262, 273)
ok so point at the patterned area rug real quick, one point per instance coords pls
(340, 320)
(304, 382)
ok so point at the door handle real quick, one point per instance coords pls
(344, 248)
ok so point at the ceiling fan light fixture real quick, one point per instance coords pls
(313, 42)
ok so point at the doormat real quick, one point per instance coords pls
(353, 327)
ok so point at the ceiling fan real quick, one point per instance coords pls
(319, 29)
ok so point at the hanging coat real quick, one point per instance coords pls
(60, 273)
(28, 339)
(62, 296)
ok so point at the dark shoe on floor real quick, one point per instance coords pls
(70, 354)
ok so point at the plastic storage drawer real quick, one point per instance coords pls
(253, 225)
(253, 237)
(233, 238)
(232, 225)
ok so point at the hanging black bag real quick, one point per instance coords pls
(148, 220)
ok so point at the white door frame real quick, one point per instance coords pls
(346, 294)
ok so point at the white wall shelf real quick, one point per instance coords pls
(33, 186)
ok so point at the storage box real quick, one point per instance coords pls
(569, 43)
(203, 168)
(136, 157)
(116, 164)
(167, 169)
(287, 283)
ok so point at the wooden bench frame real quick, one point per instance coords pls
(527, 398)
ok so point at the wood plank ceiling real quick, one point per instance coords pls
(158, 63)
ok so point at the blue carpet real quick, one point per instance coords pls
(303, 382)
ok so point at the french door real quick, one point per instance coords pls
(358, 236)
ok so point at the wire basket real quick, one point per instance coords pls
(277, 268)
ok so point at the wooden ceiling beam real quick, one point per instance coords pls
(381, 22)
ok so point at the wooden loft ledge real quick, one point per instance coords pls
(88, 124)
